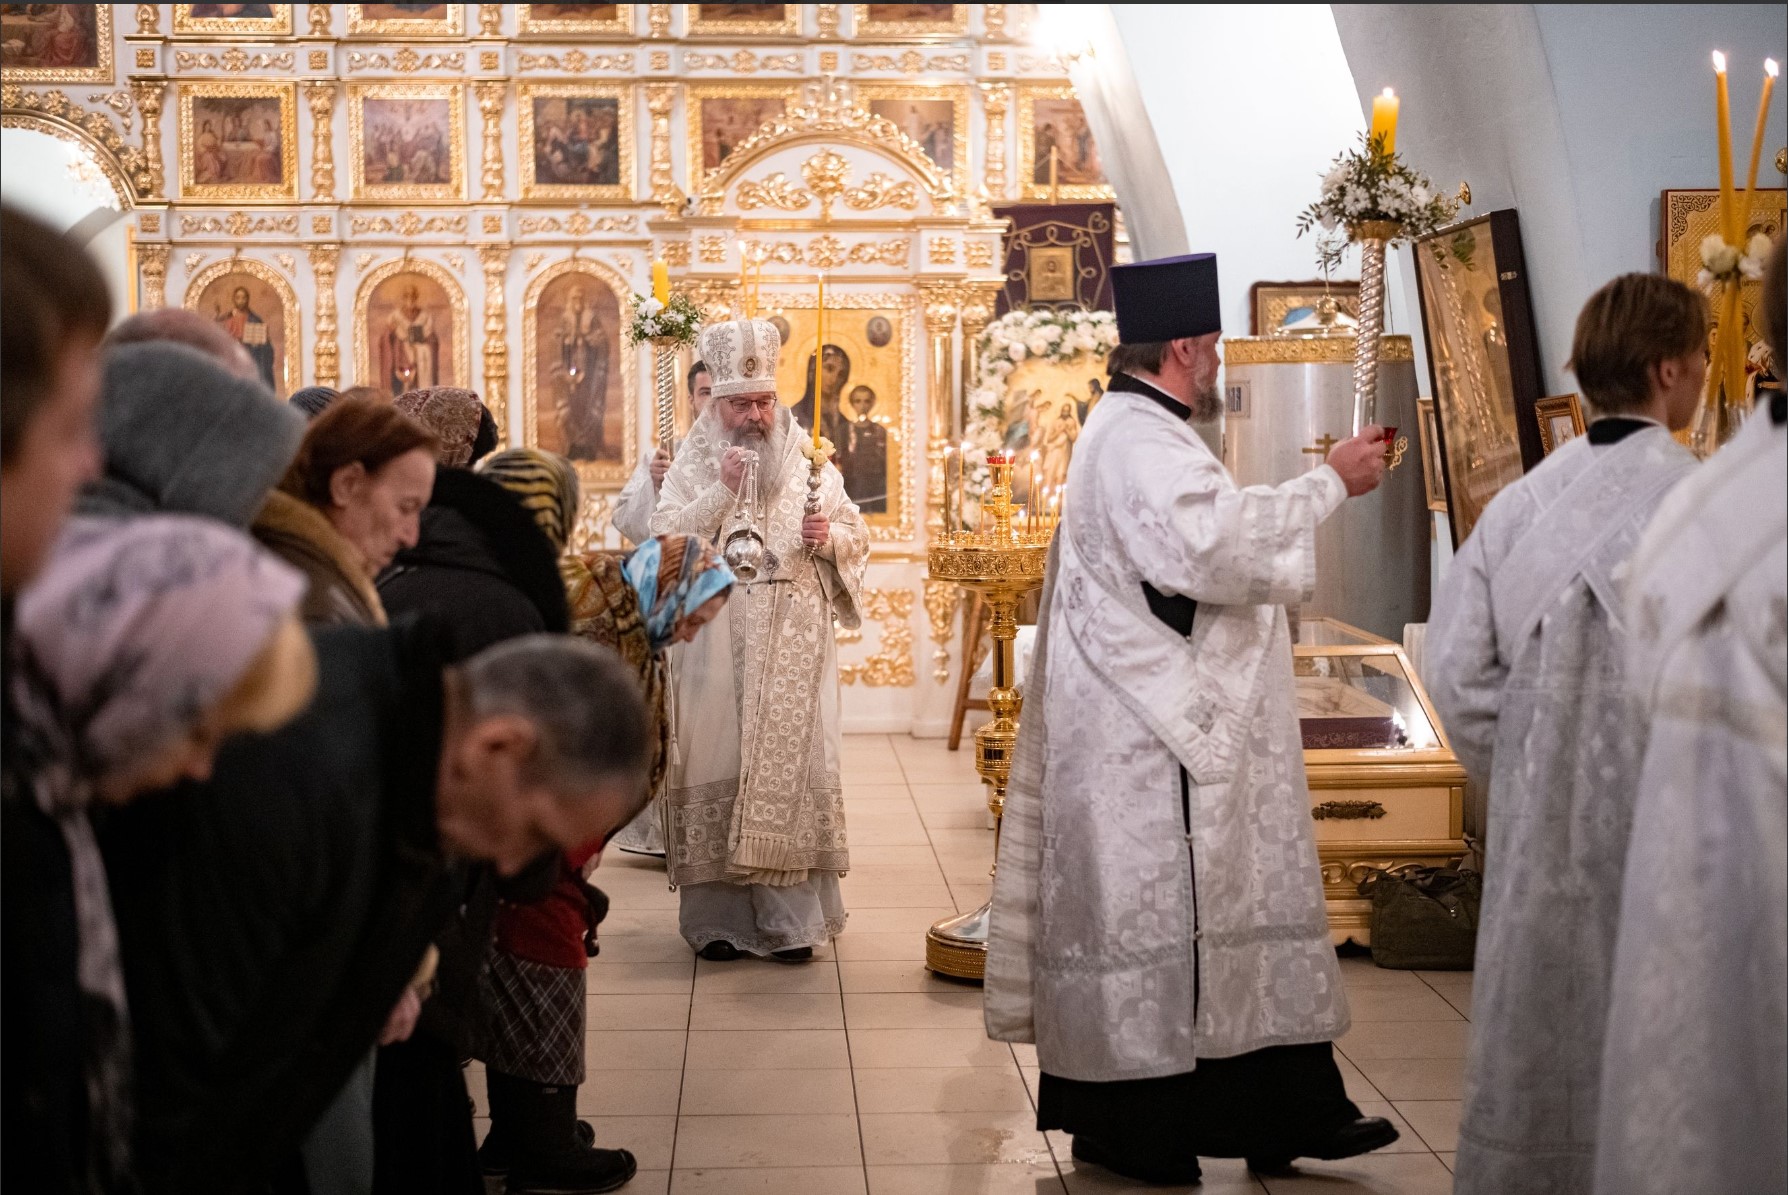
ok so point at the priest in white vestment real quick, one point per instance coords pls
(1695, 1066)
(638, 499)
(1158, 923)
(1526, 665)
(755, 807)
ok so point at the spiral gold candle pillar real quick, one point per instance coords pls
(1372, 236)
(664, 381)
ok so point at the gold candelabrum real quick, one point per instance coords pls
(1002, 560)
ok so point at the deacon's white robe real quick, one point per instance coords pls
(634, 507)
(1695, 1068)
(753, 796)
(1525, 663)
(1120, 952)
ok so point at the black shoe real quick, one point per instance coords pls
(1354, 1138)
(493, 1155)
(1277, 1164)
(1175, 1174)
(718, 951)
(584, 1172)
(639, 850)
(798, 954)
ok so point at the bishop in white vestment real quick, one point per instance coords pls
(634, 506)
(1526, 665)
(1695, 1066)
(756, 836)
(1158, 922)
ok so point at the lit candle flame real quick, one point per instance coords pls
(1719, 62)
(1770, 68)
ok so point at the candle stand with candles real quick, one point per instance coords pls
(1002, 560)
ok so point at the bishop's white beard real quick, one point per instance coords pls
(769, 447)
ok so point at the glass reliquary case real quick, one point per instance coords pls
(1385, 789)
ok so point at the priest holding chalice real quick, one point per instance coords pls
(1158, 926)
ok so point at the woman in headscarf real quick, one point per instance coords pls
(460, 422)
(533, 984)
(142, 646)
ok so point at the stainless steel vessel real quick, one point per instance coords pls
(1288, 399)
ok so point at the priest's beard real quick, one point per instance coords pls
(1207, 404)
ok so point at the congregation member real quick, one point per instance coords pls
(1159, 929)
(179, 325)
(351, 500)
(52, 319)
(1526, 654)
(482, 572)
(313, 400)
(755, 836)
(634, 508)
(273, 916)
(1694, 1084)
(463, 425)
(183, 435)
(532, 986)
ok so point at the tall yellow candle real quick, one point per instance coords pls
(1770, 71)
(819, 354)
(961, 464)
(1055, 187)
(1730, 228)
(1385, 107)
(661, 282)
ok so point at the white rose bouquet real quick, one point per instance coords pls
(678, 320)
(1368, 184)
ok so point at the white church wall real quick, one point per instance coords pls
(59, 184)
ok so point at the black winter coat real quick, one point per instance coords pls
(271, 917)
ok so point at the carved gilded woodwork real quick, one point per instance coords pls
(532, 24)
(996, 100)
(713, 112)
(490, 19)
(607, 474)
(365, 337)
(658, 20)
(491, 95)
(148, 19)
(495, 261)
(742, 62)
(196, 114)
(238, 224)
(234, 60)
(892, 663)
(101, 69)
(942, 600)
(407, 61)
(713, 20)
(152, 265)
(277, 23)
(577, 224)
(993, 21)
(451, 23)
(828, 252)
(407, 224)
(675, 253)
(320, 95)
(912, 62)
(327, 351)
(825, 21)
(290, 314)
(575, 62)
(661, 100)
(530, 97)
(449, 113)
(54, 114)
(318, 16)
(865, 25)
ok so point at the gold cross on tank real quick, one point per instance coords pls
(1322, 445)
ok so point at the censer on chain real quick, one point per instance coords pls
(742, 544)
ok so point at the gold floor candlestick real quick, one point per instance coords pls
(1002, 564)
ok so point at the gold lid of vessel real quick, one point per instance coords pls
(1308, 350)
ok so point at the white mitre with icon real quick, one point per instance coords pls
(741, 356)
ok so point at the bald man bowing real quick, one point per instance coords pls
(1158, 921)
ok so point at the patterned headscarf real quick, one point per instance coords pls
(135, 630)
(452, 414)
(545, 482)
(674, 575)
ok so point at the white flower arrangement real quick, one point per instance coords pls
(678, 320)
(1725, 265)
(1369, 184)
(827, 449)
(1052, 334)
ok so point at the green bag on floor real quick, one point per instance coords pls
(1424, 918)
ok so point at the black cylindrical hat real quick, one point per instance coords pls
(1170, 298)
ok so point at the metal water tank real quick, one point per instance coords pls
(1288, 399)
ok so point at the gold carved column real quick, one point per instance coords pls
(942, 302)
(317, 17)
(978, 300)
(320, 95)
(825, 21)
(153, 261)
(324, 259)
(660, 99)
(149, 94)
(495, 259)
(996, 99)
(490, 106)
(490, 20)
(148, 19)
(658, 18)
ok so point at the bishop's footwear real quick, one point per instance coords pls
(797, 954)
(1181, 1173)
(1356, 1137)
(718, 951)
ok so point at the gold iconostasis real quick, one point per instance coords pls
(404, 195)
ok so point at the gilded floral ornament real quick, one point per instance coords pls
(892, 663)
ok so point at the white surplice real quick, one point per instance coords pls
(753, 795)
(1525, 664)
(636, 502)
(1120, 952)
(1695, 1067)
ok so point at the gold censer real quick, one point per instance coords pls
(1002, 560)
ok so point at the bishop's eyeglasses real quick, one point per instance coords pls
(745, 406)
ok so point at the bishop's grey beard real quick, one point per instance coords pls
(747, 435)
(1207, 404)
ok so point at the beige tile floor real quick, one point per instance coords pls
(863, 1074)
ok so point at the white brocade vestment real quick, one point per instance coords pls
(1120, 952)
(754, 793)
(636, 502)
(1526, 665)
(1695, 1066)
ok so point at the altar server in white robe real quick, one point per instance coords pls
(1158, 920)
(1526, 665)
(634, 506)
(756, 836)
(1695, 1067)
